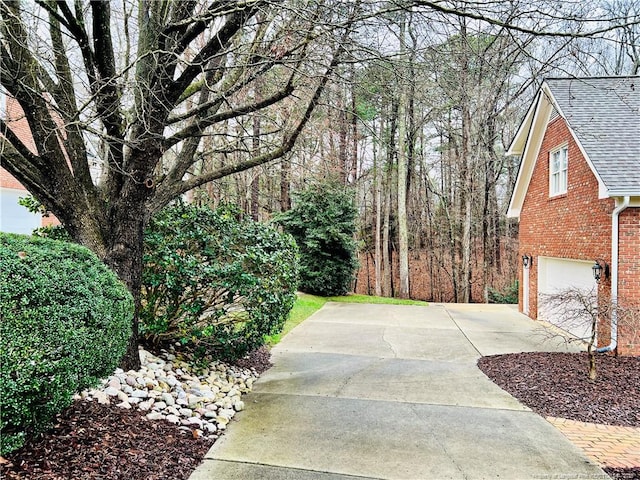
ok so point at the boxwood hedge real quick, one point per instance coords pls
(65, 322)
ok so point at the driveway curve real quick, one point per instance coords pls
(393, 392)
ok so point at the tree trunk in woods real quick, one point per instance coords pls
(377, 185)
(285, 198)
(403, 229)
(386, 247)
(466, 171)
(353, 170)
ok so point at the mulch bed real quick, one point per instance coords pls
(92, 441)
(623, 473)
(104, 442)
(558, 385)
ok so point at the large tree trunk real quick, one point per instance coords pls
(122, 250)
(125, 256)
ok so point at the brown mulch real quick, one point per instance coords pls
(623, 473)
(259, 360)
(93, 441)
(558, 385)
(90, 441)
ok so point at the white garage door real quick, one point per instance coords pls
(558, 276)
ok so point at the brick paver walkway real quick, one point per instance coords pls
(610, 446)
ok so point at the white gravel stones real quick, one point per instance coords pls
(167, 387)
(173, 419)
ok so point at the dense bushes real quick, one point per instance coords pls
(65, 322)
(322, 222)
(508, 295)
(215, 281)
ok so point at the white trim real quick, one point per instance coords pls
(518, 145)
(539, 111)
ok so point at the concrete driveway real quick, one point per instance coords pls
(393, 392)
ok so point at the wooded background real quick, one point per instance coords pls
(416, 120)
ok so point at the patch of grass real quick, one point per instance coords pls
(306, 305)
(371, 299)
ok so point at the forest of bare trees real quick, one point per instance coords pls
(411, 103)
(417, 120)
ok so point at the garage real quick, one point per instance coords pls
(556, 275)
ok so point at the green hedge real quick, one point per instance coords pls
(322, 222)
(215, 280)
(508, 295)
(65, 323)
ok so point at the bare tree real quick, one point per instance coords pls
(583, 316)
(186, 71)
(576, 313)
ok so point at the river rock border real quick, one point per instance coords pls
(200, 400)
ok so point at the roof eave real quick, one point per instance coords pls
(623, 193)
(519, 141)
(523, 144)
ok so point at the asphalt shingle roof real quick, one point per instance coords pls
(604, 114)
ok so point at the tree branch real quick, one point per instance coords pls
(27, 168)
(166, 192)
(439, 7)
(214, 46)
(201, 124)
(65, 98)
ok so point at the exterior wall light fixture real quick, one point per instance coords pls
(527, 261)
(600, 267)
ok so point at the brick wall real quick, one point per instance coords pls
(17, 122)
(9, 181)
(576, 225)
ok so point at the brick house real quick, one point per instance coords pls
(577, 199)
(14, 218)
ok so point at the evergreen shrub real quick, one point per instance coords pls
(508, 295)
(215, 281)
(322, 221)
(65, 320)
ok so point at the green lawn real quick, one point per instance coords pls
(306, 305)
(371, 299)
